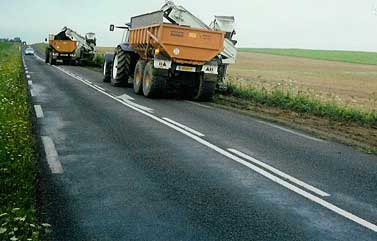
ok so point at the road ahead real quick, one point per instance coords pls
(123, 167)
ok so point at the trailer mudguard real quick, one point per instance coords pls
(109, 57)
(126, 47)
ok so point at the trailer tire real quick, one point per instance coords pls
(120, 70)
(138, 76)
(205, 87)
(47, 54)
(154, 81)
(107, 71)
(51, 60)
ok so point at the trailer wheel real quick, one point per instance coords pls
(51, 61)
(138, 76)
(47, 54)
(106, 71)
(154, 81)
(121, 67)
(204, 87)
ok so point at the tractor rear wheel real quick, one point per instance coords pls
(121, 68)
(154, 81)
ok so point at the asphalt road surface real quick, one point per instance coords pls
(119, 166)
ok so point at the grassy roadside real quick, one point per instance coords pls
(329, 120)
(41, 47)
(18, 164)
(355, 57)
(302, 103)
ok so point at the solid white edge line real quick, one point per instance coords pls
(198, 104)
(184, 127)
(223, 152)
(291, 131)
(99, 87)
(38, 111)
(125, 97)
(52, 155)
(280, 173)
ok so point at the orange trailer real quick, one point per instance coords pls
(63, 46)
(184, 45)
(60, 49)
(166, 57)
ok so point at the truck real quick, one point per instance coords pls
(70, 47)
(180, 55)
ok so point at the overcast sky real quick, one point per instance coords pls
(314, 24)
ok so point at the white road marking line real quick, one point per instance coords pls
(125, 97)
(99, 87)
(38, 111)
(26, 72)
(223, 152)
(32, 93)
(184, 127)
(28, 76)
(280, 173)
(39, 58)
(198, 104)
(30, 82)
(52, 155)
(150, 110)
(291, 131)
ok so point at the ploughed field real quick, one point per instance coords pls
(343, 83)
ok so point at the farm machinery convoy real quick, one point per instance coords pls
(179, 55)
(70, 47)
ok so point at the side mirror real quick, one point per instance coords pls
(45, 39)
(112, 27)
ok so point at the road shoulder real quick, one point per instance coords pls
(360, 137)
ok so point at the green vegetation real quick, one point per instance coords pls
(302, 103)
(18, 165)
(100, 59)
(41, 47)
(332, 55)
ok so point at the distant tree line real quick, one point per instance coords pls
(14, 40)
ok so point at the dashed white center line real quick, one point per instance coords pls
(52, 155)
(280, 173)
(184, 127)
(38, 111)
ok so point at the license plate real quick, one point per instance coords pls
(186, 68)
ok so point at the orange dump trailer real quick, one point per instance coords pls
(163, 58)
(63, 46)
(183, 45)
(60, 49)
